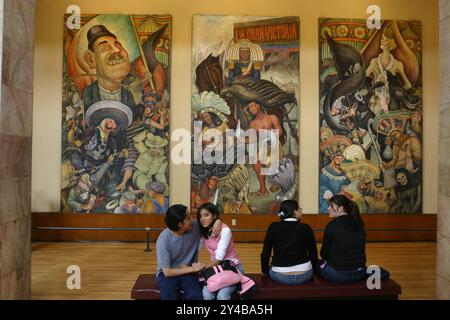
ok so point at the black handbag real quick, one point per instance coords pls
(209, 272)
(220, 276)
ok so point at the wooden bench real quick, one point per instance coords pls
(145, 288)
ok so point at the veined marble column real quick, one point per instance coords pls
(443, 236)
(16, 112)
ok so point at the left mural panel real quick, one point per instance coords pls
(115, 114)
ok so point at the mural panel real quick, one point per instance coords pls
(371, 114)
(115, 114)
(245, 112)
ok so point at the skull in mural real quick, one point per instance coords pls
(402, 179)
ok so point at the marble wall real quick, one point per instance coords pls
(443, 236)
(16, 109)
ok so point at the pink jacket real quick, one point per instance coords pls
(222, 247)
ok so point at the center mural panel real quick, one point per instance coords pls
(371, 114)
(245, 112)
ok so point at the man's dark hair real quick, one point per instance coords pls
(214, 210)
(175, 215)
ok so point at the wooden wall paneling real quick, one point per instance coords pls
(379, 227)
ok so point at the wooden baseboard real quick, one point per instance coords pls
(248, 228)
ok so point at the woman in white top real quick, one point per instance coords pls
(219, 248)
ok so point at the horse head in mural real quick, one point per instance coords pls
(209, 75)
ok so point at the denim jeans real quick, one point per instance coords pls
(222, 294)
(170, 288)
(292, 279)
(342, 276)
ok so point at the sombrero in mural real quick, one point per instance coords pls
(116, 110)
(153, 141)
(110, 206)
(387, 122)
(364, 170)
(334, 146)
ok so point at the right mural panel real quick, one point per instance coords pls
(371, 114)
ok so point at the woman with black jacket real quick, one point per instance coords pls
(344, 243)
(294, 247)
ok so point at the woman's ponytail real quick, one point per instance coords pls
(354, 212)
(350, 207)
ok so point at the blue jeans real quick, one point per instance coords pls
(291, 279)
(342, 276)
(169, 288)
(222, 294)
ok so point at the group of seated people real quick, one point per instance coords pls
(294, 261)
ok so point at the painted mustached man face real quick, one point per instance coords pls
(111, 59)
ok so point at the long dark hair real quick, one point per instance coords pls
(350, 207)
(214, 210)
(287, 209)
